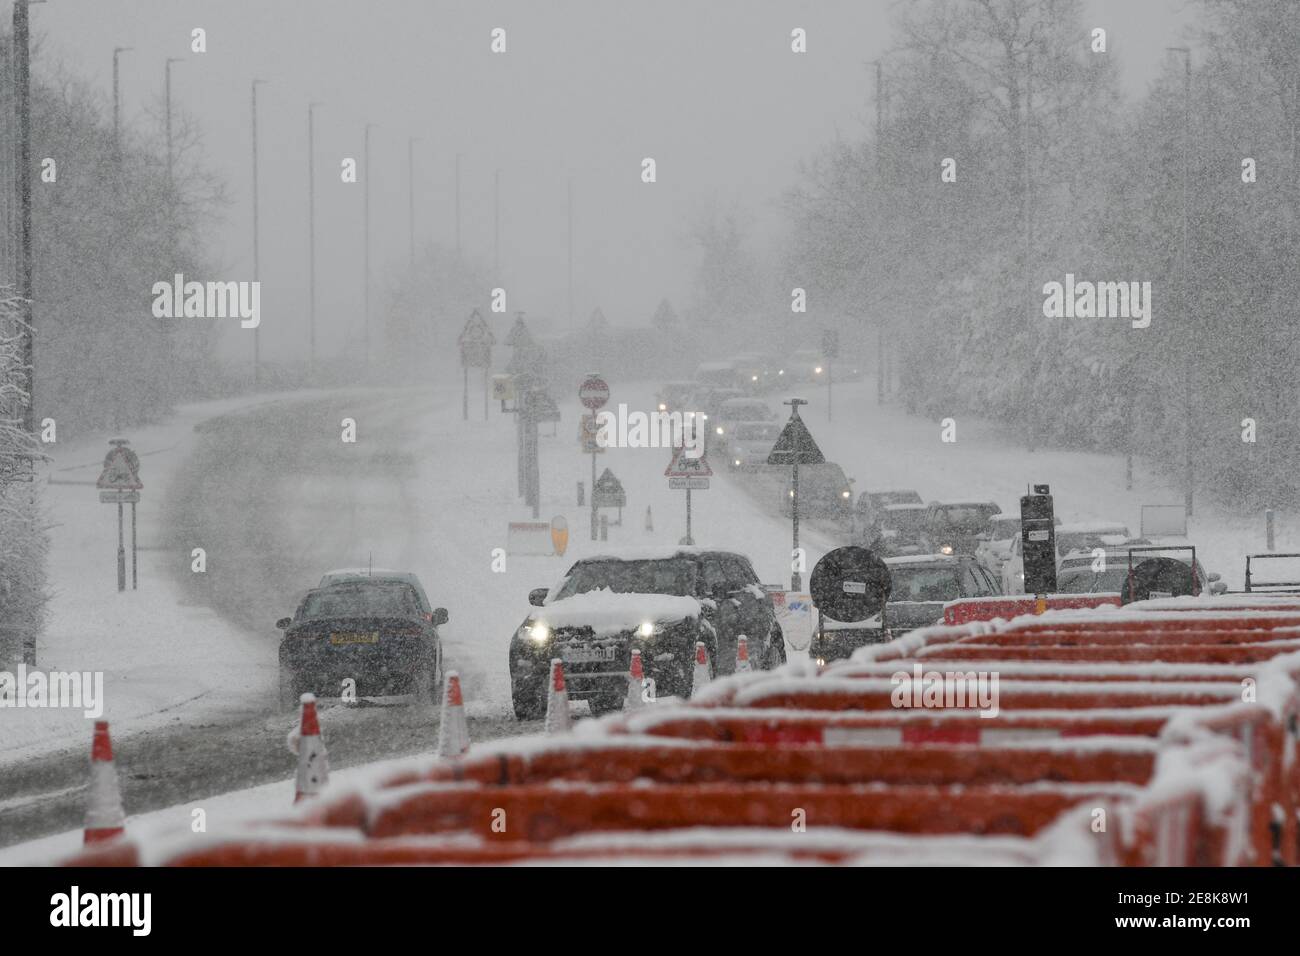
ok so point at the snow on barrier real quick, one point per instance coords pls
(1185, 754)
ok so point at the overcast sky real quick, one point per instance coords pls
(709, 88)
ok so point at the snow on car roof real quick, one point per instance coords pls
(653, 552)
(923, 559)
(913, 506)
(365, 572)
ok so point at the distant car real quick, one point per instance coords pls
(751, 443)
(750, 371)
(1090, 572)
(732, 412)
(806, 365)
(899, 530)
(661, 604)
(708, 399)
(374, 631)
(675, 396)
(1078, 535)
(919, 588)
(994, 549)
(870, 503)
(955, 527)
(717, 374)
(824, 492)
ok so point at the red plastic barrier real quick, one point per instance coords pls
(1010, 606)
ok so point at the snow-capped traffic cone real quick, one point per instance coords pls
(557, 701)
(453, 732)
(742, 655)
(105, 818)
(701, 675)
(313, 761)
(649, 519)
(635, 698)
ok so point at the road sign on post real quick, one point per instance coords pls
(475, 341)
(593, 393)
(690, 474)
(795, 447)
(119, 483)
(608, 493)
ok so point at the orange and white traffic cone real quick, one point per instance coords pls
(635, 698)
(742, 655)
(105, 819)
(557, 701)
(313, 761)
(453, 732)
(701, 675)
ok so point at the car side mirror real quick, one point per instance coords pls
(439, 616)
(284, 622)
(537, 596)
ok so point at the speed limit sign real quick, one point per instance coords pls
(594, 393)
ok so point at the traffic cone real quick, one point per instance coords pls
(105, 819)
(557, 701)
(453, 732)
(313, 761)
(742, 655)
(635, 682)
(701, 675)
(649, 519)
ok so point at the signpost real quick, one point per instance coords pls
(475, 341)
(831, 352)
(691, 474)
(1038, 542)
(593, 393)
(795, 447)
(119, 484)
(849, 584)
(608, 493)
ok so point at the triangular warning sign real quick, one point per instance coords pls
(120, 471)
(795, 445)
(683, 466)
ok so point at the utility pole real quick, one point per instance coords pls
(257, 265)
(458, 206)
(311, 235)
(365, 258)
(1183, 283)
(117, 98)
(570, 253)
(23, 181)
(167, 95)
(410, 193)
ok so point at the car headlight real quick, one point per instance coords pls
(737, 462)
(663, 407)
(791, 492)
(719, 429)
(781, 372)
(753, 378)
(817, 370)
(844, 494)
(646, 629)
(539, 632)
(946, 549)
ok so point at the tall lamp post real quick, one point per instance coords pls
(1184, 284)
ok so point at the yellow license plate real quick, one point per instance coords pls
(353, 638)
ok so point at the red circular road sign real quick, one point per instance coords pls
(594, 393)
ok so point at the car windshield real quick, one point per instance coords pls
(908, 521)
(1004, 529)
(757, 431)
(969, 519)
(1086, 581)
(368, 600)
(658, 576)
(924, 584)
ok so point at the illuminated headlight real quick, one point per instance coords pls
(845, 494)
(663, 407)
(737, 462)
(719, 429)
(646, 629)
(753, 378)
(539, 632)
(817, 370)
(781, 372)
(704, 418)
(791, 492)
(946, 549)
(821, 662)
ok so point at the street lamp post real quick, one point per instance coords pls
(257, 340)
(1184, 284)
(167, 96)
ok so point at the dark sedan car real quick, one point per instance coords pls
(375, 633)
(920, 587)
(660, 604)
